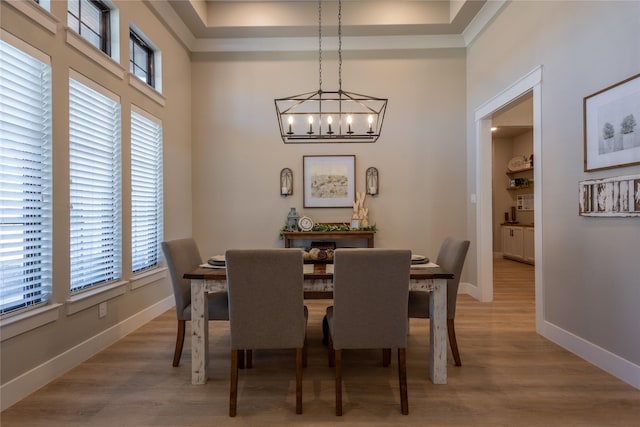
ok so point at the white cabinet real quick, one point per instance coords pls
(518, 243)
(512, 242)
(528, 245)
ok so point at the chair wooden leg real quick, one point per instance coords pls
(331, 353)
(453, 342)
(233, 383)
(386, 357)
(179, 342)
(240, 359)
(304, 352)
(402, 376)
(249, 357)
(299, 364)
(338, 365)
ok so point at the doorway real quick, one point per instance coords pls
(513, 180)
(530, 83)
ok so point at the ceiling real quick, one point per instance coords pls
(515, 118)
(219, 25)
(508, 132)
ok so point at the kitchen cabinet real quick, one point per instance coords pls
(518, 243)
(528, 244)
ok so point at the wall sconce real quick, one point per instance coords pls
(372, 181)
(286, 182)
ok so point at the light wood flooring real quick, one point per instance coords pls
(510, 376)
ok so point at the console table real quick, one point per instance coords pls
(290, 236)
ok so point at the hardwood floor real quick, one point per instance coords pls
(510, 376)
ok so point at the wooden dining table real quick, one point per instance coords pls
(318, 283)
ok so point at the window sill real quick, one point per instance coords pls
(36, 13)
(148, 277)
(75, 40)
(28, 320)
(91, 298)
(147, 90)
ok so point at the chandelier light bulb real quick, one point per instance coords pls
(310, 125)
(290, 132)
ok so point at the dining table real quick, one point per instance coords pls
(318, 283)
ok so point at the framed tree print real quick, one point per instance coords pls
(329, 181)
(611, 131)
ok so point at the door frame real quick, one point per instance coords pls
(531, 82)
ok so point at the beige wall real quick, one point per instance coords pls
(590, 271)
(238, 153)
(27, 351)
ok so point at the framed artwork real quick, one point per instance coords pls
(329, 181)
(610, 197)
(611, 131)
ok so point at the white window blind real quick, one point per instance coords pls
(25, 179)
(146, 191)
(95, 192)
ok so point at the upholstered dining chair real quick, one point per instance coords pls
(266, 309)
(370, 294)
(182, 256)
(451, 258)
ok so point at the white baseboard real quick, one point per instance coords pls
(469, 289)
(594, 354)
(22, 386)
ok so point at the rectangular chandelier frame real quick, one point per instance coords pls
(330, 117)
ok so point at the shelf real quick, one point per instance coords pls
(521, 187)
(511, 173)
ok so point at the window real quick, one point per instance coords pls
(25, 179)
(141, 58)
(91, 19)
(146, 191)
(95, 193)
(46, 4)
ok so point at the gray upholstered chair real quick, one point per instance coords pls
(370, 294)
(266, 308)
(182, 256)
(451, 258)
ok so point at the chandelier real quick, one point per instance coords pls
(330, 116)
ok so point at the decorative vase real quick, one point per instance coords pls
(627, 140)
(292, 220)
(608, 145)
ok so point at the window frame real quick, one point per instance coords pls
(105, 23)
(140, 41)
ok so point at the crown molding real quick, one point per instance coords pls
(164, 11)
(482, 19)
